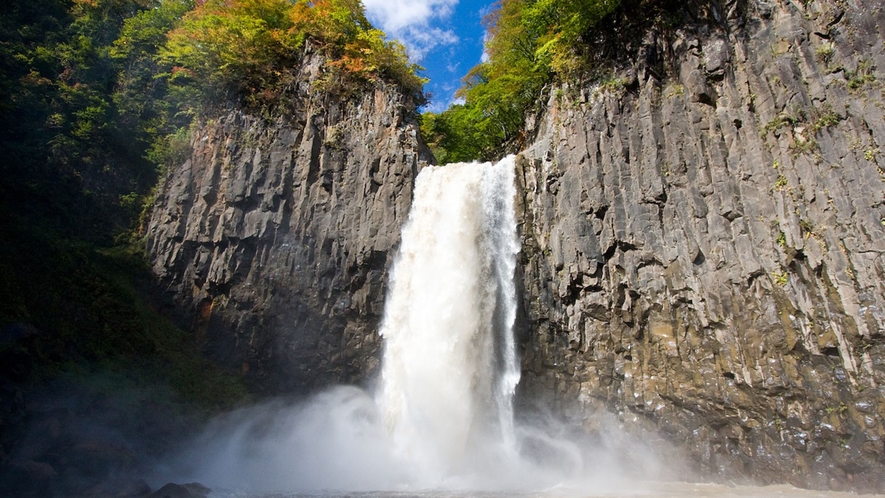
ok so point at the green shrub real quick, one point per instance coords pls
(89, 314)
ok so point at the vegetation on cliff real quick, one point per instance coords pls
(531, 43)
(69, 307)
(251, 47)
(97, 97)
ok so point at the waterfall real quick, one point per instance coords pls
(450, 366)
(442, 416)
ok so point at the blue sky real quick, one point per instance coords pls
(444, 36)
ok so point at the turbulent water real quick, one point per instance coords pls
(441, 423)
(450, 366)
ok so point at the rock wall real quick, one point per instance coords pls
(703, 240)
(275, 236)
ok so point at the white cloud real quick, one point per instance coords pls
(412, 21)
(438, 106)
(395, 15)
(419, 41)
(435, 107)
(485, 40)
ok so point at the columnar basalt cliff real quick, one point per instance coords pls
(703, 239)
(274, 237)
(703, 236)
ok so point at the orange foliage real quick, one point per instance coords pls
(247, 44)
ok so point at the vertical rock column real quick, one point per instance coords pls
(703, 242)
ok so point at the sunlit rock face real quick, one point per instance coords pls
(703, 239)
(275, 236)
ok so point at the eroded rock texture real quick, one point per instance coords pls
(703, 240)
(274, 238)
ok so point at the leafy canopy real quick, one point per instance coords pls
(249, 47)
(96, 96)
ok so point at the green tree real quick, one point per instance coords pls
(70, 169)
(56, 110)
(531, 43)
(157, 115)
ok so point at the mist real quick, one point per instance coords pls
(336, 442)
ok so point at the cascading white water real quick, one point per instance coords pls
(442, 417)
(450, 366)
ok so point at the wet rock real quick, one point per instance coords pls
(191, 490)
(98, 459)
(73, 439)
(119, 488)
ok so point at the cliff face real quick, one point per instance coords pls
(274, 237)
(703, 241)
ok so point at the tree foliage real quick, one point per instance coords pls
(249, 47)
(530, 43)
(58, 113)
(158, 111)
(73, 172)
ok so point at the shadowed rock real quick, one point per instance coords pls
(191, 490)
(274, 238)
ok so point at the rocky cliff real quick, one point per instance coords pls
(703, 234)
(703, 238)
(275, 236)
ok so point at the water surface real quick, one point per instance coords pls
(636, 490)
